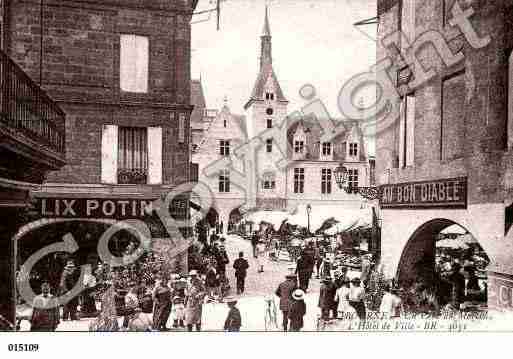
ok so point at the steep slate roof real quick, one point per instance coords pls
(313, 133)
(198, 100)
(258, 90)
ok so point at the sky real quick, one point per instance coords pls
(314, 42)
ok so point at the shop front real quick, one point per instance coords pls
(417, 248)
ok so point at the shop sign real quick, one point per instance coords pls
(447, 193)
(500, 291)
(94, 208)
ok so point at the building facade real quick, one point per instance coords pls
(308, 176)
(444, 151)
(32, 143)
(121, 73)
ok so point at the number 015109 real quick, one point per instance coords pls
(23, 347)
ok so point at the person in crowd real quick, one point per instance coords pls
(319, 255)
(241, 266)
(146, 298)
(222, 260)
(131, 304)
(326, 266)
(356, 297)
(261, 255)
(284, 292)
(139, 322)
(303, 272)
(327, 298)
(162, 303)
(45, 312)
(195, 294)
(342, 298)
(178, 312)
(211, 281)
(366, 269)
(69, 279)
(391, 304)
(254, 242)
(473, 290)
(458, 286)
(88, 307)
(309, 256)
(107, 320)
(233, 321)
(297, 310)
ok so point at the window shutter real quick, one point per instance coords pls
(402, 114)
(410, 130)
(134, 61)
(155, 155)
(109, 165)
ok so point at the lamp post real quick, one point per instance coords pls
(308, 211)
(341, 176)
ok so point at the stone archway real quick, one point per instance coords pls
(422, 260)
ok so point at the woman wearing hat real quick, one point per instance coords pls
(356, 297)
(195, 294)
(297, 310)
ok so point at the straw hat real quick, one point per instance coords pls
(230, 299)
(298, 294)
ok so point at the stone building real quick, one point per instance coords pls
(309, 174)
(444, 150)
(120, 71)
(32, 143)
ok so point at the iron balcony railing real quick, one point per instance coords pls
(26, 108)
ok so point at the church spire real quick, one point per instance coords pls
(267, 29)
(266, 43)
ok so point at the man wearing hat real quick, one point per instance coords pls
(68, 280)
(297, 310)
(284, 292)
(233, 321)
(194, 296)
(327, 298)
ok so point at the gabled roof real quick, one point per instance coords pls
(258, 90)
(198, 101)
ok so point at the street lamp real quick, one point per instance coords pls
(308, 211)
(341, 175)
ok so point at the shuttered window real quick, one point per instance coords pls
(134, 63)
(132, 155)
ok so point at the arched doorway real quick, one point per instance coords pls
(234, 220)
(444, 263)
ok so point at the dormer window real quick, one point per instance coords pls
(269, 123)
(326, 148)
(224, 123)
(299, 146)
(269, 96)
(269, 111)
(353, 149)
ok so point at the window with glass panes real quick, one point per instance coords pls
(269, 123)
(299, 180)
(268, 181)
(224, 181)
(269, 145)
(224, 148)
(326, 149)
(299, 146)
(353, 149)
(352, 178)
(326, 181)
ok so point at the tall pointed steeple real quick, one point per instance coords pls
(266, 57)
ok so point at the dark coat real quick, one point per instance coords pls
(241, 266)
(309, 258)
(233, 321)
(296, 313)
(254, 240)
(303, 267)
(284, 291)
(222, 260)
(211, 278)
(327, 295)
